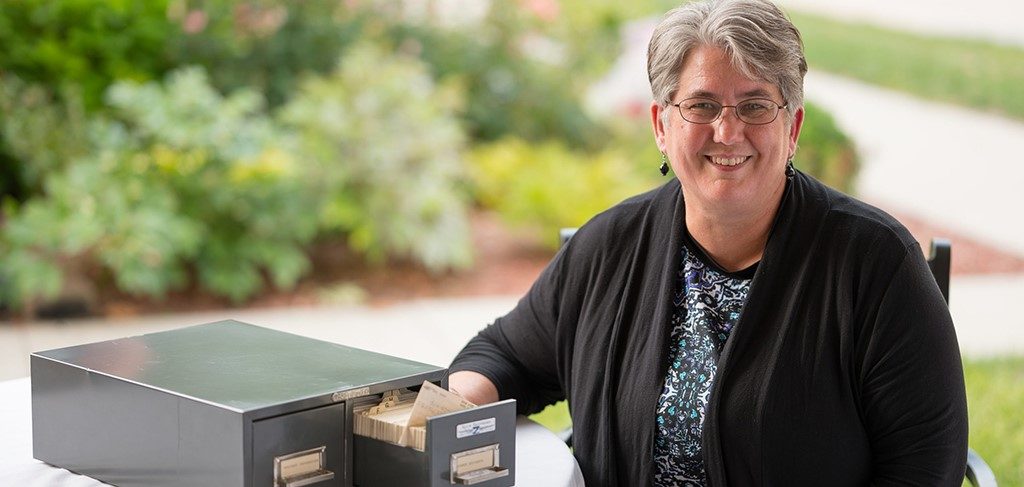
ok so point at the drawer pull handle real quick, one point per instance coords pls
(482, 475)
(309, 479)
(301, 468)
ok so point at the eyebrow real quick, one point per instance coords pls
(758, 93)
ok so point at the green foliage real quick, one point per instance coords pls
(180, 176)
(266, 45)
(549, 186)
(965, 72)
(88, 43)
(554, 417)
(509, 91)
(388, 148)
(995, 394)
(824, 151)
(27, 135)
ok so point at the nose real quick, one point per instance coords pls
(728, 128)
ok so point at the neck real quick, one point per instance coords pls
(734, 239)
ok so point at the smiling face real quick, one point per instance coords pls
(727, 168)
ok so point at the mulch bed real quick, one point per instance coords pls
(506, 263)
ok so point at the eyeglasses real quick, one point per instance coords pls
(755, 111)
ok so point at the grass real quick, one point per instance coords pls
(967, 72)
(995, 400)
(995, 403)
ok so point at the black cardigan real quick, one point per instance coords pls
(842, 370)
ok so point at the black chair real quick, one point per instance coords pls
(978, 472)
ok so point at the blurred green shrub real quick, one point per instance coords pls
(176, 182)
(824, 151)
(179, 180)
(29, 137)
(90, 43)
(266, 45)
(74, 48)
(549, 186)
(387, 146)
(512, 89)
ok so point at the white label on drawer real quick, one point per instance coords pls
(475, 428)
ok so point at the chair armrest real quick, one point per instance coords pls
(566, 436)
(978, 472)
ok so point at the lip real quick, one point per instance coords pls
(722, 167)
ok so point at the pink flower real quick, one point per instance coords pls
(546, 10)
(195, 22)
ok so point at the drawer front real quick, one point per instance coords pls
(488, 428)
(299, 449)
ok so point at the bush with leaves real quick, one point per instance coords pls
(388, 147)
(39, 133)
(90, 43)
(179, 181)
(825, 151)
(549, 186)
(511, 90)
(265, 45)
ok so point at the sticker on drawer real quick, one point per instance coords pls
(475, 428)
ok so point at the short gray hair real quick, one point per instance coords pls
(762, 42)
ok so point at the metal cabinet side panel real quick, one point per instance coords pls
(99, 426)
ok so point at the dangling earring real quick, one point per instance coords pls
(664, 164)
(790, 171)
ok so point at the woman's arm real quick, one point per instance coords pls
(913, 396)
(518, 356)
(473, 386)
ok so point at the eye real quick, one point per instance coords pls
(754, 106)
(701, 105)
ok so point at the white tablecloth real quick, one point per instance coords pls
(541, 459)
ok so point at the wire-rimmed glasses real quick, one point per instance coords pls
(755, 111)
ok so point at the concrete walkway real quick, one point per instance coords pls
(949, 165)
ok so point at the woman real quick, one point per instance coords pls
(742, 324)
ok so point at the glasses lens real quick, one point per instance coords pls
(757, 111)
(699, 110)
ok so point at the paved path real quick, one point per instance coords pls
(949, 165)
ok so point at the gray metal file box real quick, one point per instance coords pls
(232, 404)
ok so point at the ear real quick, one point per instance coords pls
(658, 126)
(794, 130)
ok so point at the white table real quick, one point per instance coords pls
(542, 460)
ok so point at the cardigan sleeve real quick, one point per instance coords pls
(518, 352)
(913, 397)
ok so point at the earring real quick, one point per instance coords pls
(790, 171)
(664, 164)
